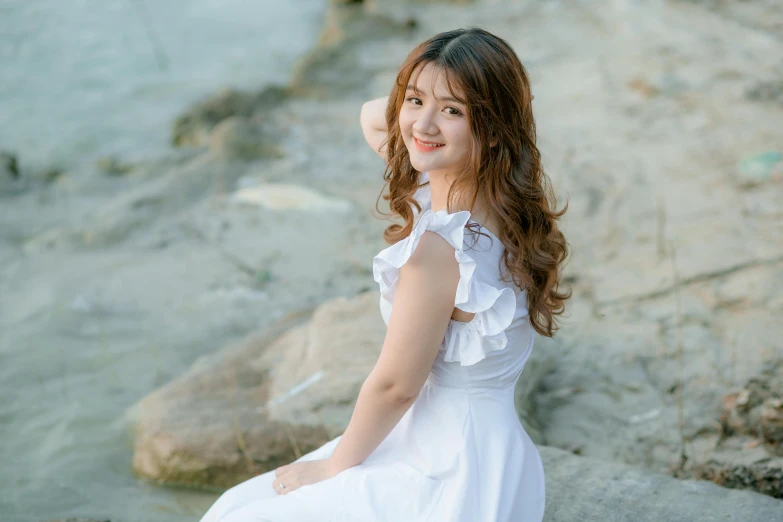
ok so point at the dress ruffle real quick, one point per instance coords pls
(464, 342)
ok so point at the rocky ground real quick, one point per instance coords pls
(672, 167)
(658, 121)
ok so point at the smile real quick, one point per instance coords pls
(427, 146)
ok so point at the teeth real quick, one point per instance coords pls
(430, 144)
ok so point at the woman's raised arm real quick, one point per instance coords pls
(373, 122)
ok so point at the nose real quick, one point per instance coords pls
(425, 123)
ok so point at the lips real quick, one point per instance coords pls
(427, 144)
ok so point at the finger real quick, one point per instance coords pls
(285, 477)
(279, 489)
(289, 487)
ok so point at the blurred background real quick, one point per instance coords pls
(187, 230)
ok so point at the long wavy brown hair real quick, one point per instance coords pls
(504, 165)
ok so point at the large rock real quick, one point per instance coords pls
(268, 399)
(591, 490)
(262, 402)
(631, 385)
(677, 300)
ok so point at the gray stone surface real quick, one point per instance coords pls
(659, 121)
(590, 490)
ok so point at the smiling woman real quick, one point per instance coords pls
(434, 125)
(434, 435)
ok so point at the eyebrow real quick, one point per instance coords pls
(444, 98)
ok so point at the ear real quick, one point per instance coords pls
(493, 142)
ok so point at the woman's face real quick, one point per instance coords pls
(434, 125)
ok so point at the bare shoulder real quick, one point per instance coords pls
(434, 258)
(430, 278)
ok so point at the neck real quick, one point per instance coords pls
(439, 190)
(440, 183)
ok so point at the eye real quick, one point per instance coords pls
(455, 113)
(411, 98)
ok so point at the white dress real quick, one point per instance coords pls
(459, 454)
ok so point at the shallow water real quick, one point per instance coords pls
(83, 78)
(80, 80)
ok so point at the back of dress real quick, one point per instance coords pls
(489, 351)
(462, 433)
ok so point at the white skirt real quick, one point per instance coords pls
(456, 455)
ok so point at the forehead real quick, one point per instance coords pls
(431, 79)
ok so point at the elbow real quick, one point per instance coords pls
(370, 119)
(392, 390)
(363, 115)
(403, 395)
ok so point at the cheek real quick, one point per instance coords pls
(405, 121)
(460, 136)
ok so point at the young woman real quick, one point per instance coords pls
(469, 277)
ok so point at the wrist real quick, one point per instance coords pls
(335, 466)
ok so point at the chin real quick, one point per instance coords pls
(421, 167)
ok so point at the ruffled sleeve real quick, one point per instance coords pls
(464, 342)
